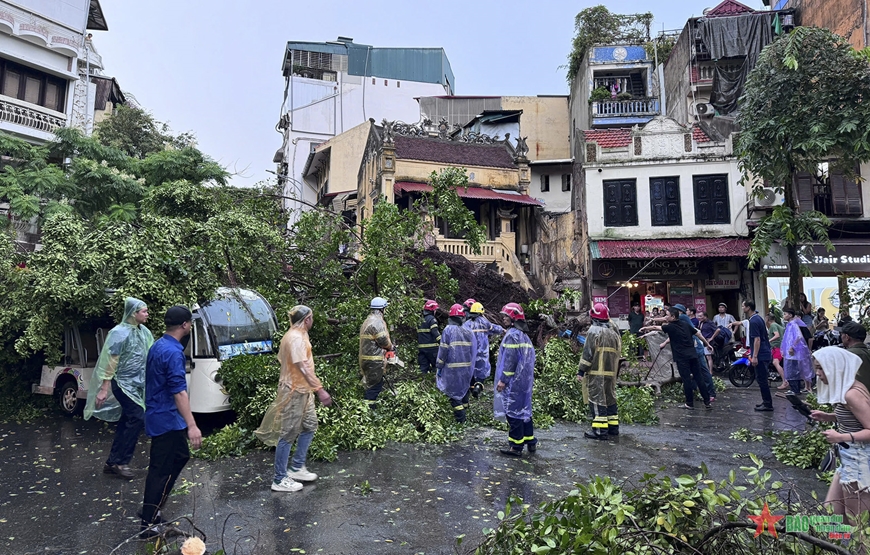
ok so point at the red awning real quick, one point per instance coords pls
(671, 248)
(471, 192)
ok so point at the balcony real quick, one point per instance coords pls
(624, 112)
(496, 252)
(30, 115)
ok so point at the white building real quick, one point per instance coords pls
(46, 55)
(332, 87)
(666, 219)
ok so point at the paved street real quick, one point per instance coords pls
(55, 499)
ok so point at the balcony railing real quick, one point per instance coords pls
(30, 115)
(634, 107)
(707, 71)
(490, 252)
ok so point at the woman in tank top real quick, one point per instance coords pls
(849, 494)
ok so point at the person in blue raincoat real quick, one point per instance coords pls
(482, 329)
(797, 357)
(117, 387)
(455, 363)
(515, 377)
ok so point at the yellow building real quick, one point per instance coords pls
(395, 161)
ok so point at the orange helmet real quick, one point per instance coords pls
(457, 310)
(513, 311)
(430, 305)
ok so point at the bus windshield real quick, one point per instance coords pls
(240, 322)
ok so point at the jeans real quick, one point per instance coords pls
(796, 386)
(708, 376)
(282, 455)
(169, 454)
(690, 371)
(763, 385)
(129, 427)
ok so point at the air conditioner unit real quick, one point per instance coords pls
(768, 198)
(703, 109)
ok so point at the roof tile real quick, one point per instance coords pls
(671, 248)
(729, 8)
(452, 152)
(608, 138)
(699, 135)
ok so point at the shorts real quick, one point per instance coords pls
(776, 353)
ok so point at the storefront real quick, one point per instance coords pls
(847, 266)
(693, 272)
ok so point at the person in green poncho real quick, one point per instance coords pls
(117, 387)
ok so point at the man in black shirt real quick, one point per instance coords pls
(635, 322)
(761, 353)
(680, 334)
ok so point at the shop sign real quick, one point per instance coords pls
(599, 299)
(701, 304)
(845, 258)
(614, 270)
(720, 284)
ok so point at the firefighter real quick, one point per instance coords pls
(515, 377)
(374, 346)
(482, 329)
(428, 338)
(455, 363)
(600, 361)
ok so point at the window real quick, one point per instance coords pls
(664, 195)
(835, 196)
(620, 203)
(33, 86)
(545, 183)
(711, 199)
(566, 181)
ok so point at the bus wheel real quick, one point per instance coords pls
(70, 404)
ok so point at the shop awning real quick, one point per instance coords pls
(472, 192)
(671, 248)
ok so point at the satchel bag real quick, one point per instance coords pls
(831, 459)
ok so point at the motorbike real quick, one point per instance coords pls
(826, 338)
(723, 357)
(742, 374)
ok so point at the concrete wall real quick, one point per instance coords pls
(494, 178)
(556, 201)
(847, 18)
(545, 122)
(345, 156)
(676, 71)
(555, 254)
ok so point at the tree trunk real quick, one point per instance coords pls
(795, 286)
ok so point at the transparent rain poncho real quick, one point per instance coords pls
(455, 364)
(600, 362)
(374, 339)
(796, 355)
(122, 359)
(290, 412)
(482, 329)
(516, 368)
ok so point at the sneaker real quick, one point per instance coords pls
(303, 475)
(121, 470)
(159, 530)
(708, 406)
(763, 408)
(712, 399)
(287, 485)
(687, 407)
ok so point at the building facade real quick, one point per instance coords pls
(332, 87)
(847, 18)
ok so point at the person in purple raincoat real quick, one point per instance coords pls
(482, 329)
(455, 363)
(515, 378)
(797, 358)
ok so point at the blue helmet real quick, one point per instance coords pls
(379, 303)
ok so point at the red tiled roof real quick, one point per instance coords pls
(608, 138)
(471, 192)
(699, 135)
(729, 8)
(671, 248)
(452, 152)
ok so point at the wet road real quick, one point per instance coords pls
(54, 498)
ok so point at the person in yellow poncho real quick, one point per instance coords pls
(117, 387)
(292, 414)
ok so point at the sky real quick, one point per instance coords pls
(213, 67)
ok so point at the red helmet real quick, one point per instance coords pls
(468, 303)
(513, 311)
(599, 312)
(457, 310)
(430, 305)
